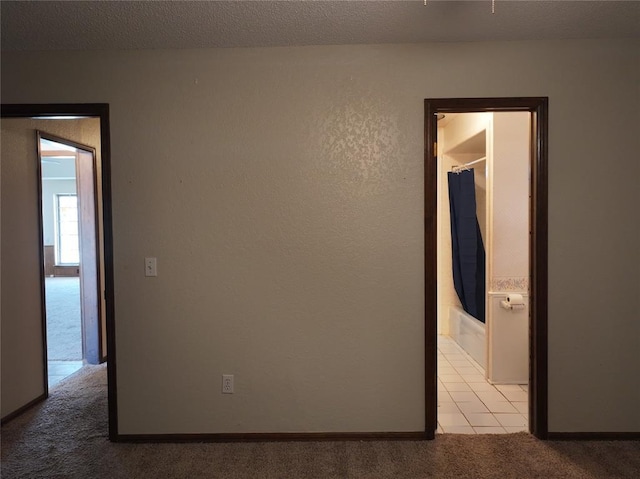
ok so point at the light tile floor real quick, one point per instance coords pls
(58, 370)
(468, 404)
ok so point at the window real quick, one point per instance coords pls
(67, 246)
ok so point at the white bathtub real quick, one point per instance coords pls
(469, 333)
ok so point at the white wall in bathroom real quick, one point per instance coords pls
(508, 245)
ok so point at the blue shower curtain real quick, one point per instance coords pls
(466, 244)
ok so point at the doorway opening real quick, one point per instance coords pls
(87, 123)
(471, 298)
(483, 271)
(67, 234)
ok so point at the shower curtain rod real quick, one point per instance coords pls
(457, 168)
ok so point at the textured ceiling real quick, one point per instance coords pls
(97, 25)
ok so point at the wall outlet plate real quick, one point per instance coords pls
(150, 267)
(227, 384)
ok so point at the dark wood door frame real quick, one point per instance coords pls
(538, 258)
(101, 111)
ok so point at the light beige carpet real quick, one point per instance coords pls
(66, 437)
(64, 330)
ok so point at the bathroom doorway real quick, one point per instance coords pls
(483, 271)
(481, 344)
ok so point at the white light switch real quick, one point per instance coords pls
(150, 267)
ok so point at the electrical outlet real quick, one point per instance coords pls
(150, 267)
(227, 384)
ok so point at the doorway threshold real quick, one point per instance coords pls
(59, 370)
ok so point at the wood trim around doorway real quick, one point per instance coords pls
(538, 258)
(101, 111)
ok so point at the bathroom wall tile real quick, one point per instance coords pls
(509, 283)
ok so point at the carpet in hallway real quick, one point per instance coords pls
(66, 437)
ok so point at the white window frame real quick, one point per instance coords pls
(59, 236)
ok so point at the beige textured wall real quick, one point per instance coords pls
(281, 190)
(22, 352)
